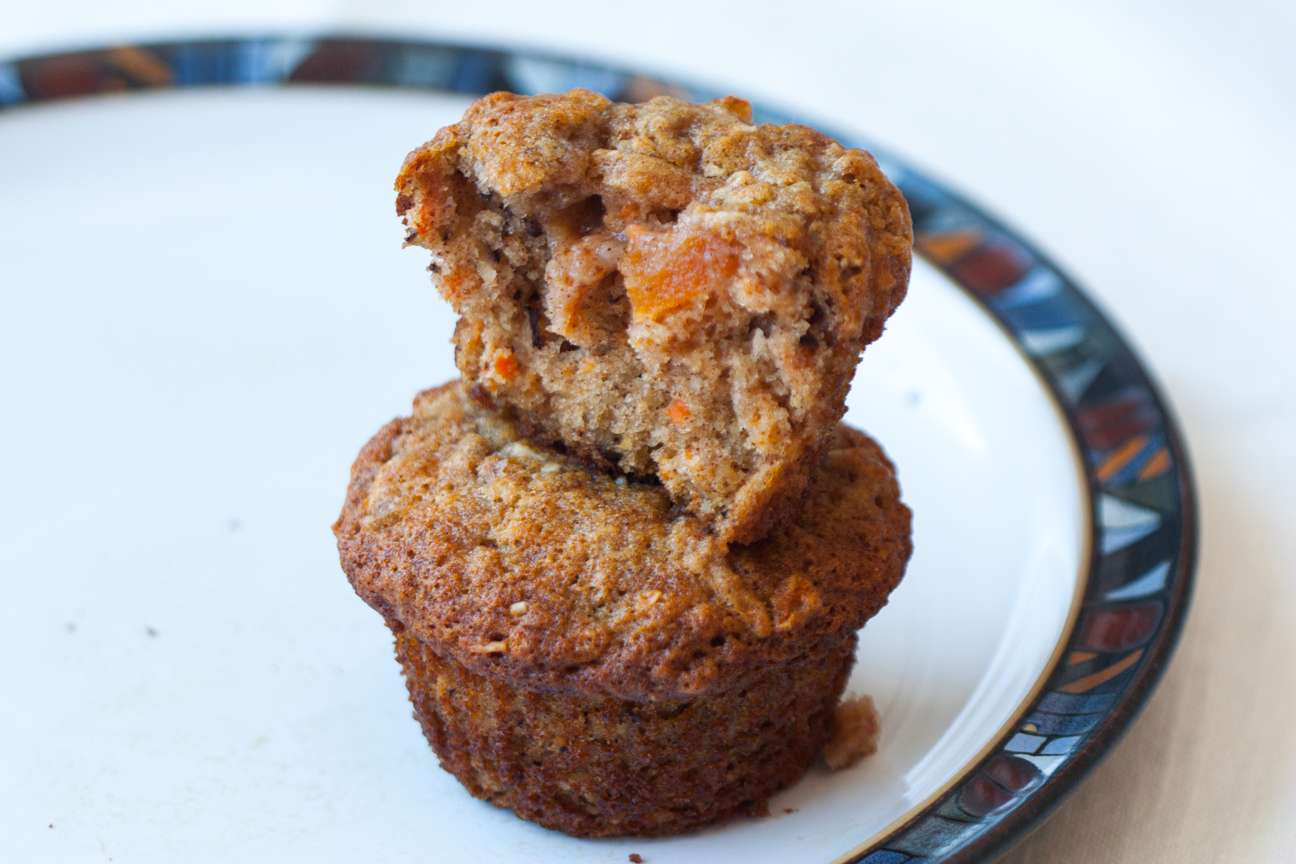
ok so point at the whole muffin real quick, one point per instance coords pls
(664, 287)
(583, 651)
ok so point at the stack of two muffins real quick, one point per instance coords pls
(626, 557)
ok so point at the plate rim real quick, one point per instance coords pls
(1122, 427)
(1011, 824)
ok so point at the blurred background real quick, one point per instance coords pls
(1148, 148)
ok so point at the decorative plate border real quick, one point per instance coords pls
(1144, 514)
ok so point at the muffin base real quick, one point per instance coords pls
(596, 767)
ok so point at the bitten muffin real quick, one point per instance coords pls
(583, 651)
(664, 287)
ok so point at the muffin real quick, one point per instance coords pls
(664, 288)
(585, 652)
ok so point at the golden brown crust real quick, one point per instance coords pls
(601, 766)
(664, 286)
(525, 565)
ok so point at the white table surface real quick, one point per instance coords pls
(1148, 149)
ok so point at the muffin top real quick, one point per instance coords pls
(525, 564)
(665, 287)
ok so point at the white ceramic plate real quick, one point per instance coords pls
(206, 313)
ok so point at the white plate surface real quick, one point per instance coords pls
(206, 312)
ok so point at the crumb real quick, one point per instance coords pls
(636, 858)
(150, 631)
(853, 733)
(790, 810)
(51, 824)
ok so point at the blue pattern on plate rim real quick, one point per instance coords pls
(1144, 523)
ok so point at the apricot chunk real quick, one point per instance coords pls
(668, 270)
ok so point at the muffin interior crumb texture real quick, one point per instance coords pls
(665, 288)
(853, 733)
